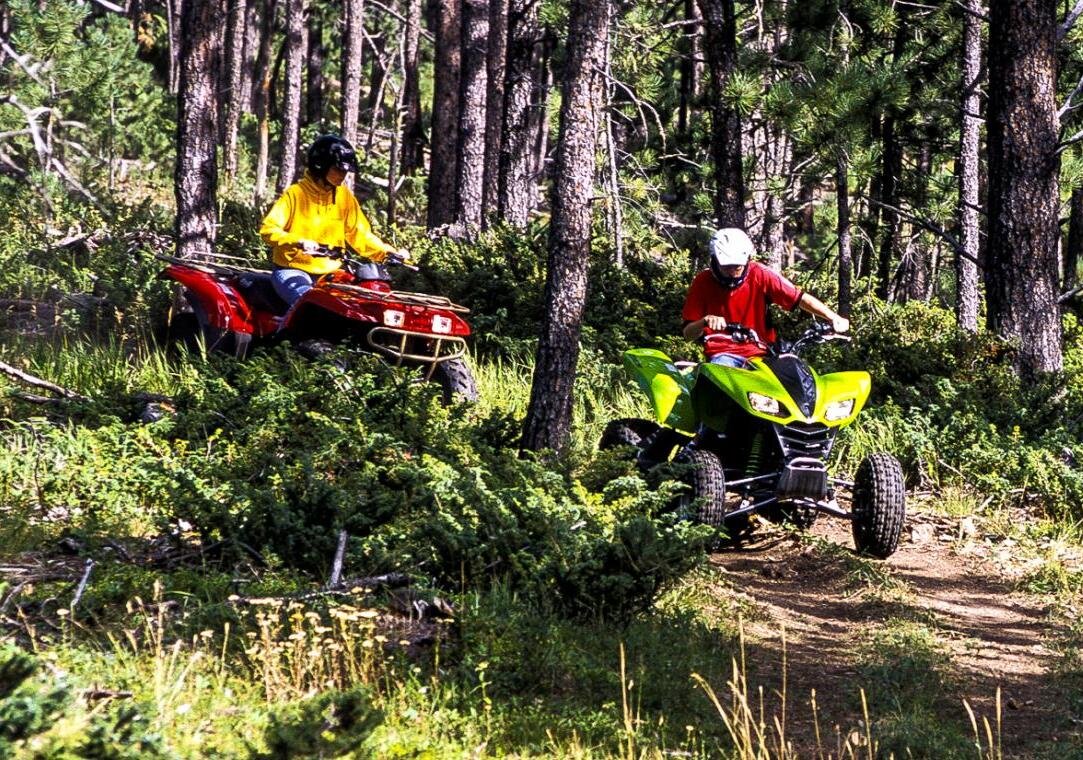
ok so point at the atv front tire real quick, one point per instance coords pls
(456, 381)
(626, 431)
(879, 504)
(706, 481)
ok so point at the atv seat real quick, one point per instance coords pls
(259, 292)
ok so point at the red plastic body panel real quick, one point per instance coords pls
(222, 305)
(354, 306)
(225, 308)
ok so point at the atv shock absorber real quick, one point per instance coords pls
(755, 455)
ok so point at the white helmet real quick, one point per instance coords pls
(730, 247)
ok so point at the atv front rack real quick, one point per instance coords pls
(391, 342)
(400, 296)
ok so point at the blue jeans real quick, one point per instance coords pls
(730, 360)
(290, 284)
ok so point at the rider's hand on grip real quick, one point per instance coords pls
(309, 246)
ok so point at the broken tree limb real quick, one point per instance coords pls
(340, 554)
(82, 584)
(36, 382)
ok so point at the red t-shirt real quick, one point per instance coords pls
(746, 305)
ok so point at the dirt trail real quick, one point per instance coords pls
(995, 637)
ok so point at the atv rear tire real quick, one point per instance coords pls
(626, 431)
(456, 381)
(879, 503)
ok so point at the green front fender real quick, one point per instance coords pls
(668, 387)
(833, 388)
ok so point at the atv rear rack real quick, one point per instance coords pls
(392, 342)
(400, 296)
(212, 267)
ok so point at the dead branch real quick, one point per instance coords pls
(340, 555)
(93, 695)
(36, 382)
(82, 583)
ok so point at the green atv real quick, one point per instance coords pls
(756, 439)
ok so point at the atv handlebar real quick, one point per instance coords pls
(819, 332)
(348, 255)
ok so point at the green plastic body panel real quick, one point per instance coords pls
(737, 383)
(668, 387)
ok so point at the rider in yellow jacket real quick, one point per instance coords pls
(318, 211)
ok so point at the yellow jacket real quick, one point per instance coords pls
(306, 211)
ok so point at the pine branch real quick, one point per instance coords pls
(931, 226)
(1069, 21)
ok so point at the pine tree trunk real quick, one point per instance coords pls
(378, 73)
(720, 33)
(539, 117)
(262, 96)
(314, 81)
(235, 34)
(413, 132)
(916, 275)
(494, 105)
(966, 264)
(291, 108)
(549, 417)
(891, 167)
(517, 181)
(250, 50)
(687, 84)
(196, 173)
(1021, 274)
(473, 94)
(846, 258)
(352, 47)
(443, 165)
(173, 11)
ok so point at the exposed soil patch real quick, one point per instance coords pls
(829, 607)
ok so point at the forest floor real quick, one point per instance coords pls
(946, 616)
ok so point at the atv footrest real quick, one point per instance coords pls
(803, 477)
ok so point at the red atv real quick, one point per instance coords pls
(234, 306)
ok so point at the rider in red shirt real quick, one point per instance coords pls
(738, 290)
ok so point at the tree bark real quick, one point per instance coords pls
(413, 133)
(539, 117)
(173, 11)
(917, 266)
(517, 181)
(1021, 273)
(688, 85)
(235, 34)
(720, 33)
(494, 105)
(262, 96)
(443, 164)
(549, 416)
(352, 48)
(473, 94)
(291, 108)
(966, 266)
(314, 80)
(250, 50)
(891, 168)
(196, 174)
(379, 70)
(846, 258)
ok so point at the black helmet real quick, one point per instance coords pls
(330, 150)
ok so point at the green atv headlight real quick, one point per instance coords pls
(765, 404)
(839, 410)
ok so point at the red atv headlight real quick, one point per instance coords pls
(441, 324)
